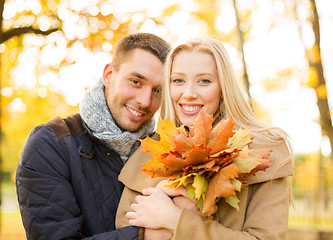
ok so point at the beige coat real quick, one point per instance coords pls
(263, 207)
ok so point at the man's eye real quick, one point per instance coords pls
(136, 82)
(157, 90)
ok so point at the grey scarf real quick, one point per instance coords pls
(96, 114)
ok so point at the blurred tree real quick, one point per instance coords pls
(310, 23)
(316, 79)
(7, 62)
(24, 27)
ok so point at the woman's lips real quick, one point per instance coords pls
(190, 109)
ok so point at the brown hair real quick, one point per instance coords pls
(146, 41)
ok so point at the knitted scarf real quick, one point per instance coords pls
(96, 114)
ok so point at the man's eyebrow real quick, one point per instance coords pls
(138, 75)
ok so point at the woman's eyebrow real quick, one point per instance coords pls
(203, 74)
(198, 74)
(178, 73)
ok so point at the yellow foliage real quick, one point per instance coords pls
(313, 54)
(16, 124)
(313, 80)
(208, 12)
(306, 175)
(306, 172)
(169, 10)
(321, 91)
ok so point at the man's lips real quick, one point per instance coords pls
(135, 113)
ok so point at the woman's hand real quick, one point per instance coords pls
(180, 197)
(184, 202)
(172, 192)
(154, 210)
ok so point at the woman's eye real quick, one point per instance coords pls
(204, 81)
(178, 81)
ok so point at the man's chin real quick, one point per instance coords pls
(131, 127)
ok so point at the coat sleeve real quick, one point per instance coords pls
(46, 198)
(266, 217)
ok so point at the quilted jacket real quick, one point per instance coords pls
(67, 184)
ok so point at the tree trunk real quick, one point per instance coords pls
(241, 47)
(2, 3)
(314, 61)
(323, 105)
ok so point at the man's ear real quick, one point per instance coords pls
(107, 74)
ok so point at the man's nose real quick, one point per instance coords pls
(144, 98)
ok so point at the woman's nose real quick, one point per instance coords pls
(190, 91)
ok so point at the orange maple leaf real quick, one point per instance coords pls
(167, 131)
(202, 127)
(219, 186)
(219, 137)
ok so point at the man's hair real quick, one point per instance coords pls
(146, 41)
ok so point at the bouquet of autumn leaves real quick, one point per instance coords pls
(210, 162)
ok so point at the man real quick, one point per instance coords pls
(67, 177)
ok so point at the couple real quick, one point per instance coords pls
(67, 177)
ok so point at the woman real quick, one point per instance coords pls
(199, 76)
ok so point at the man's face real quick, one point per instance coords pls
(133, 92)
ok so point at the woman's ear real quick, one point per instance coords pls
(107, 73)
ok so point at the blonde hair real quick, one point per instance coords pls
(234, 102)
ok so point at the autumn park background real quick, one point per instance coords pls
(51, 51)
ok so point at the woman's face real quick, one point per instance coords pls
(194, 85)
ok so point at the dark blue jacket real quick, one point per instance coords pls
(67, 184)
